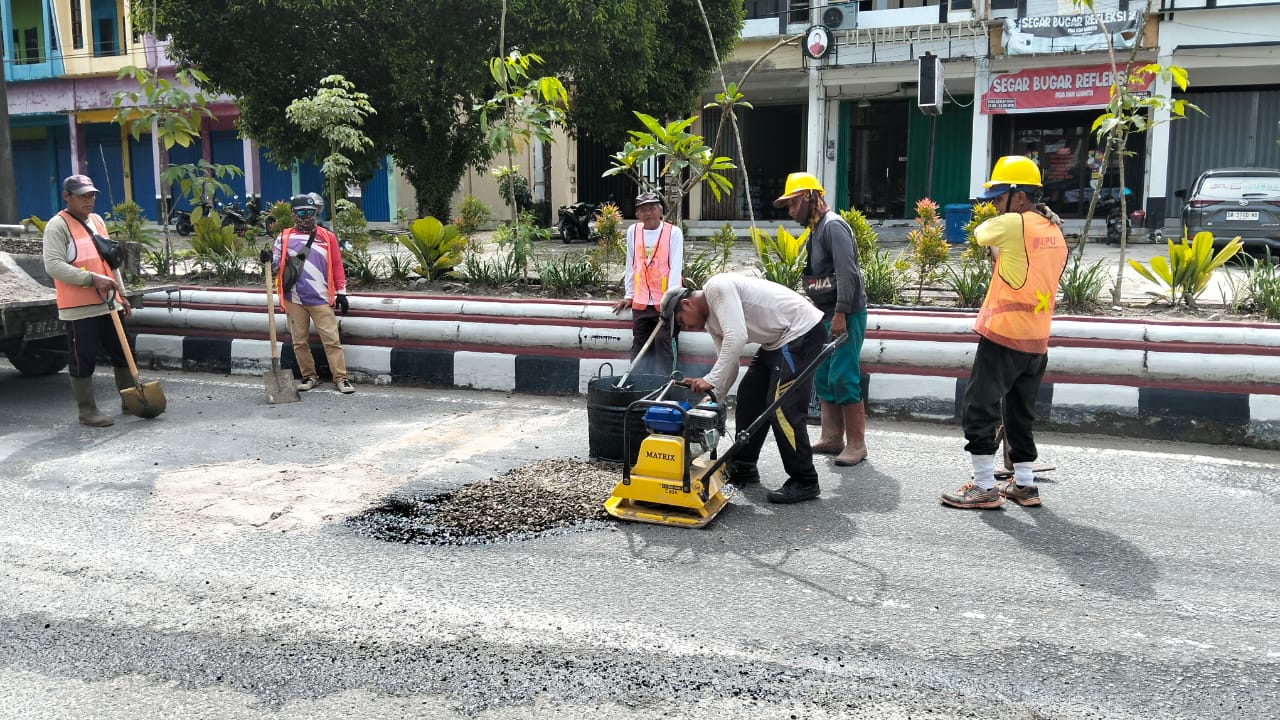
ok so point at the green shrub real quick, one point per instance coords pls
(968, 281)
(399, 266)
(280, 217)
(436, 247)
(474, 214)
(881, 278)
(864, 236)
(513, 187)
(127, 223)
(517, 240)
(782, 260)
(928, 245)
(1258, 291)
(1186, 272)
(361, 266)
(491, 272)
(1081, 284)
(218, 250)
(159, 261)
(351, 225)
(609, 247)
(711, 261)
(568, 275)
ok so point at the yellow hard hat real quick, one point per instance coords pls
(1018, 170)
(798, 182)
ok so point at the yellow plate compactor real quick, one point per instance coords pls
(672, 483)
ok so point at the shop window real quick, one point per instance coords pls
(77, 26)
(798, 10)
(758, 9)
(28, 49)
(106, 28)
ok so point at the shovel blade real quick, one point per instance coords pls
(145, 400)
(280, 387)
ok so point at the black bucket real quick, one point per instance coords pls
(607, 406)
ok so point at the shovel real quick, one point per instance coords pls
(280, 386)
(635, 360)
(144, 400)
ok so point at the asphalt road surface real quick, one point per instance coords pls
(198, 566)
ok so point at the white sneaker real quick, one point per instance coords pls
(307, 384)
(345, 387)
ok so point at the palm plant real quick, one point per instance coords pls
(783, 259)
(436, 246)
(1186, 272)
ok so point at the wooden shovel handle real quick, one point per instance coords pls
(124, 345)
(271, 317)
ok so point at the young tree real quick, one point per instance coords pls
(336, 113)
(1128, 114)
(173, 111)
(522, 110)
(686, 161)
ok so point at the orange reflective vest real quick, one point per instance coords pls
(651, 273)
(1019, 317)
(333, 253)
(82, 253)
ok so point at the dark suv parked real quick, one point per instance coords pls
(1235, 201)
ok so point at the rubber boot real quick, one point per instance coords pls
(124, 381)
(855, 431)
(831, 441)
(89, 415)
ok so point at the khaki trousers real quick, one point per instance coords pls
(300, 318)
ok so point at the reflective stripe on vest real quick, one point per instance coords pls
(82, 253)
(652, 273)
(1019, 318)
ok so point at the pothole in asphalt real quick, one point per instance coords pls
(545, 497)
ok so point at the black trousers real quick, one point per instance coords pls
(770, 374)
(1002, 389)
(660, 356)
(85, 337)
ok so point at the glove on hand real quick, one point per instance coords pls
(264, 257)
(340, 302)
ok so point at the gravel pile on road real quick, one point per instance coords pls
(528, 501)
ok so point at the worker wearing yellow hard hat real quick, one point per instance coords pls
(833, 281)
(1013, 324)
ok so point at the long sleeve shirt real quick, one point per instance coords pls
(744, 310)
(675, 259)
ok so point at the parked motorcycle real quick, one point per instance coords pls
(1117, 223)
(242, 219)
(578, 221)
(1134, 225)
(181, 219)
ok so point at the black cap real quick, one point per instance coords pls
(649, 198)
(303, 202)
(670, 305)
(78, 185)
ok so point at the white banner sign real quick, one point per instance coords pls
(1070, 33)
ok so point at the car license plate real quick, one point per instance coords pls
(43, 329)
(1242, 215)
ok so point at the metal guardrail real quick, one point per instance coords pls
(12, 231)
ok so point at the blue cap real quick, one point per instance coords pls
(995, 191)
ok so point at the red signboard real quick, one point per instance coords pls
(1055, 88)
